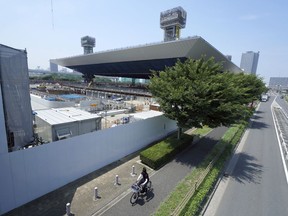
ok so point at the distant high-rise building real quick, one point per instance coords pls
(249, 62)
(172, 21)
(53, 67)
(88, 43)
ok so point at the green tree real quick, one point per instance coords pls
(253, 87)
(197, 92)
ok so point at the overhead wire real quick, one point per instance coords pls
(52, 14)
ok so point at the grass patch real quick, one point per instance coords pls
(202, 131)
(198, 200)
(177, 195)
(207, 185)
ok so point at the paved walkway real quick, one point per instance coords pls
(81, 193)
(166, 179)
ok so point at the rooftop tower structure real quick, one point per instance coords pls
(172, 21)
(229, 57)
(88, 43)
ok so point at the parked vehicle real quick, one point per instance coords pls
(264, 97)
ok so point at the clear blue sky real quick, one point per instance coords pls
(232, 27)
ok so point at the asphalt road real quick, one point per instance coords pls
(257, 184)
(282, 103)
(165, 179)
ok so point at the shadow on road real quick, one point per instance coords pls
(193, 156)
(143, 198)
(257, 121)
(259, 125)
(258, 112)
(247, 169)
(256, 117)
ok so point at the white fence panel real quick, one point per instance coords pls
(50, 104)
(42, 169)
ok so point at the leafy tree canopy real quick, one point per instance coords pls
(198, 92)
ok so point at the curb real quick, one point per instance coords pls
(224, 174)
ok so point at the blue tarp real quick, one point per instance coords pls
(71, 96)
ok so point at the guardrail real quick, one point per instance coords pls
(279, 130)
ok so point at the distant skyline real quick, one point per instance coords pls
(53, 28)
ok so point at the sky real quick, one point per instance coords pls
(51, 29)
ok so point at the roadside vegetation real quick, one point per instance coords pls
(164, 151)
(198, 200)
(200, 182)
(68, 77)
(58, 77)
(199, 92)
(196, 93)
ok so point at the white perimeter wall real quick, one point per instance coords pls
(28, 174)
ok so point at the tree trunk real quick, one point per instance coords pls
(179, 132)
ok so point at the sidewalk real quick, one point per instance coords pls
(81, 193)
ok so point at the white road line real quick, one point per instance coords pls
(219, 190)
(117, 199)
(279, 142)
(112, 203)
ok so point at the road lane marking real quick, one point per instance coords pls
(118, 198)
(279, 142)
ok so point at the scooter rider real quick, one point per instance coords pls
(143, 179)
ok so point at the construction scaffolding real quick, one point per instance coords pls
(14, 83)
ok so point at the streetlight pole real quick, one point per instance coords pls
(105, 118)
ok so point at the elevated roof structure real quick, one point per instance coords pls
(138, 61)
